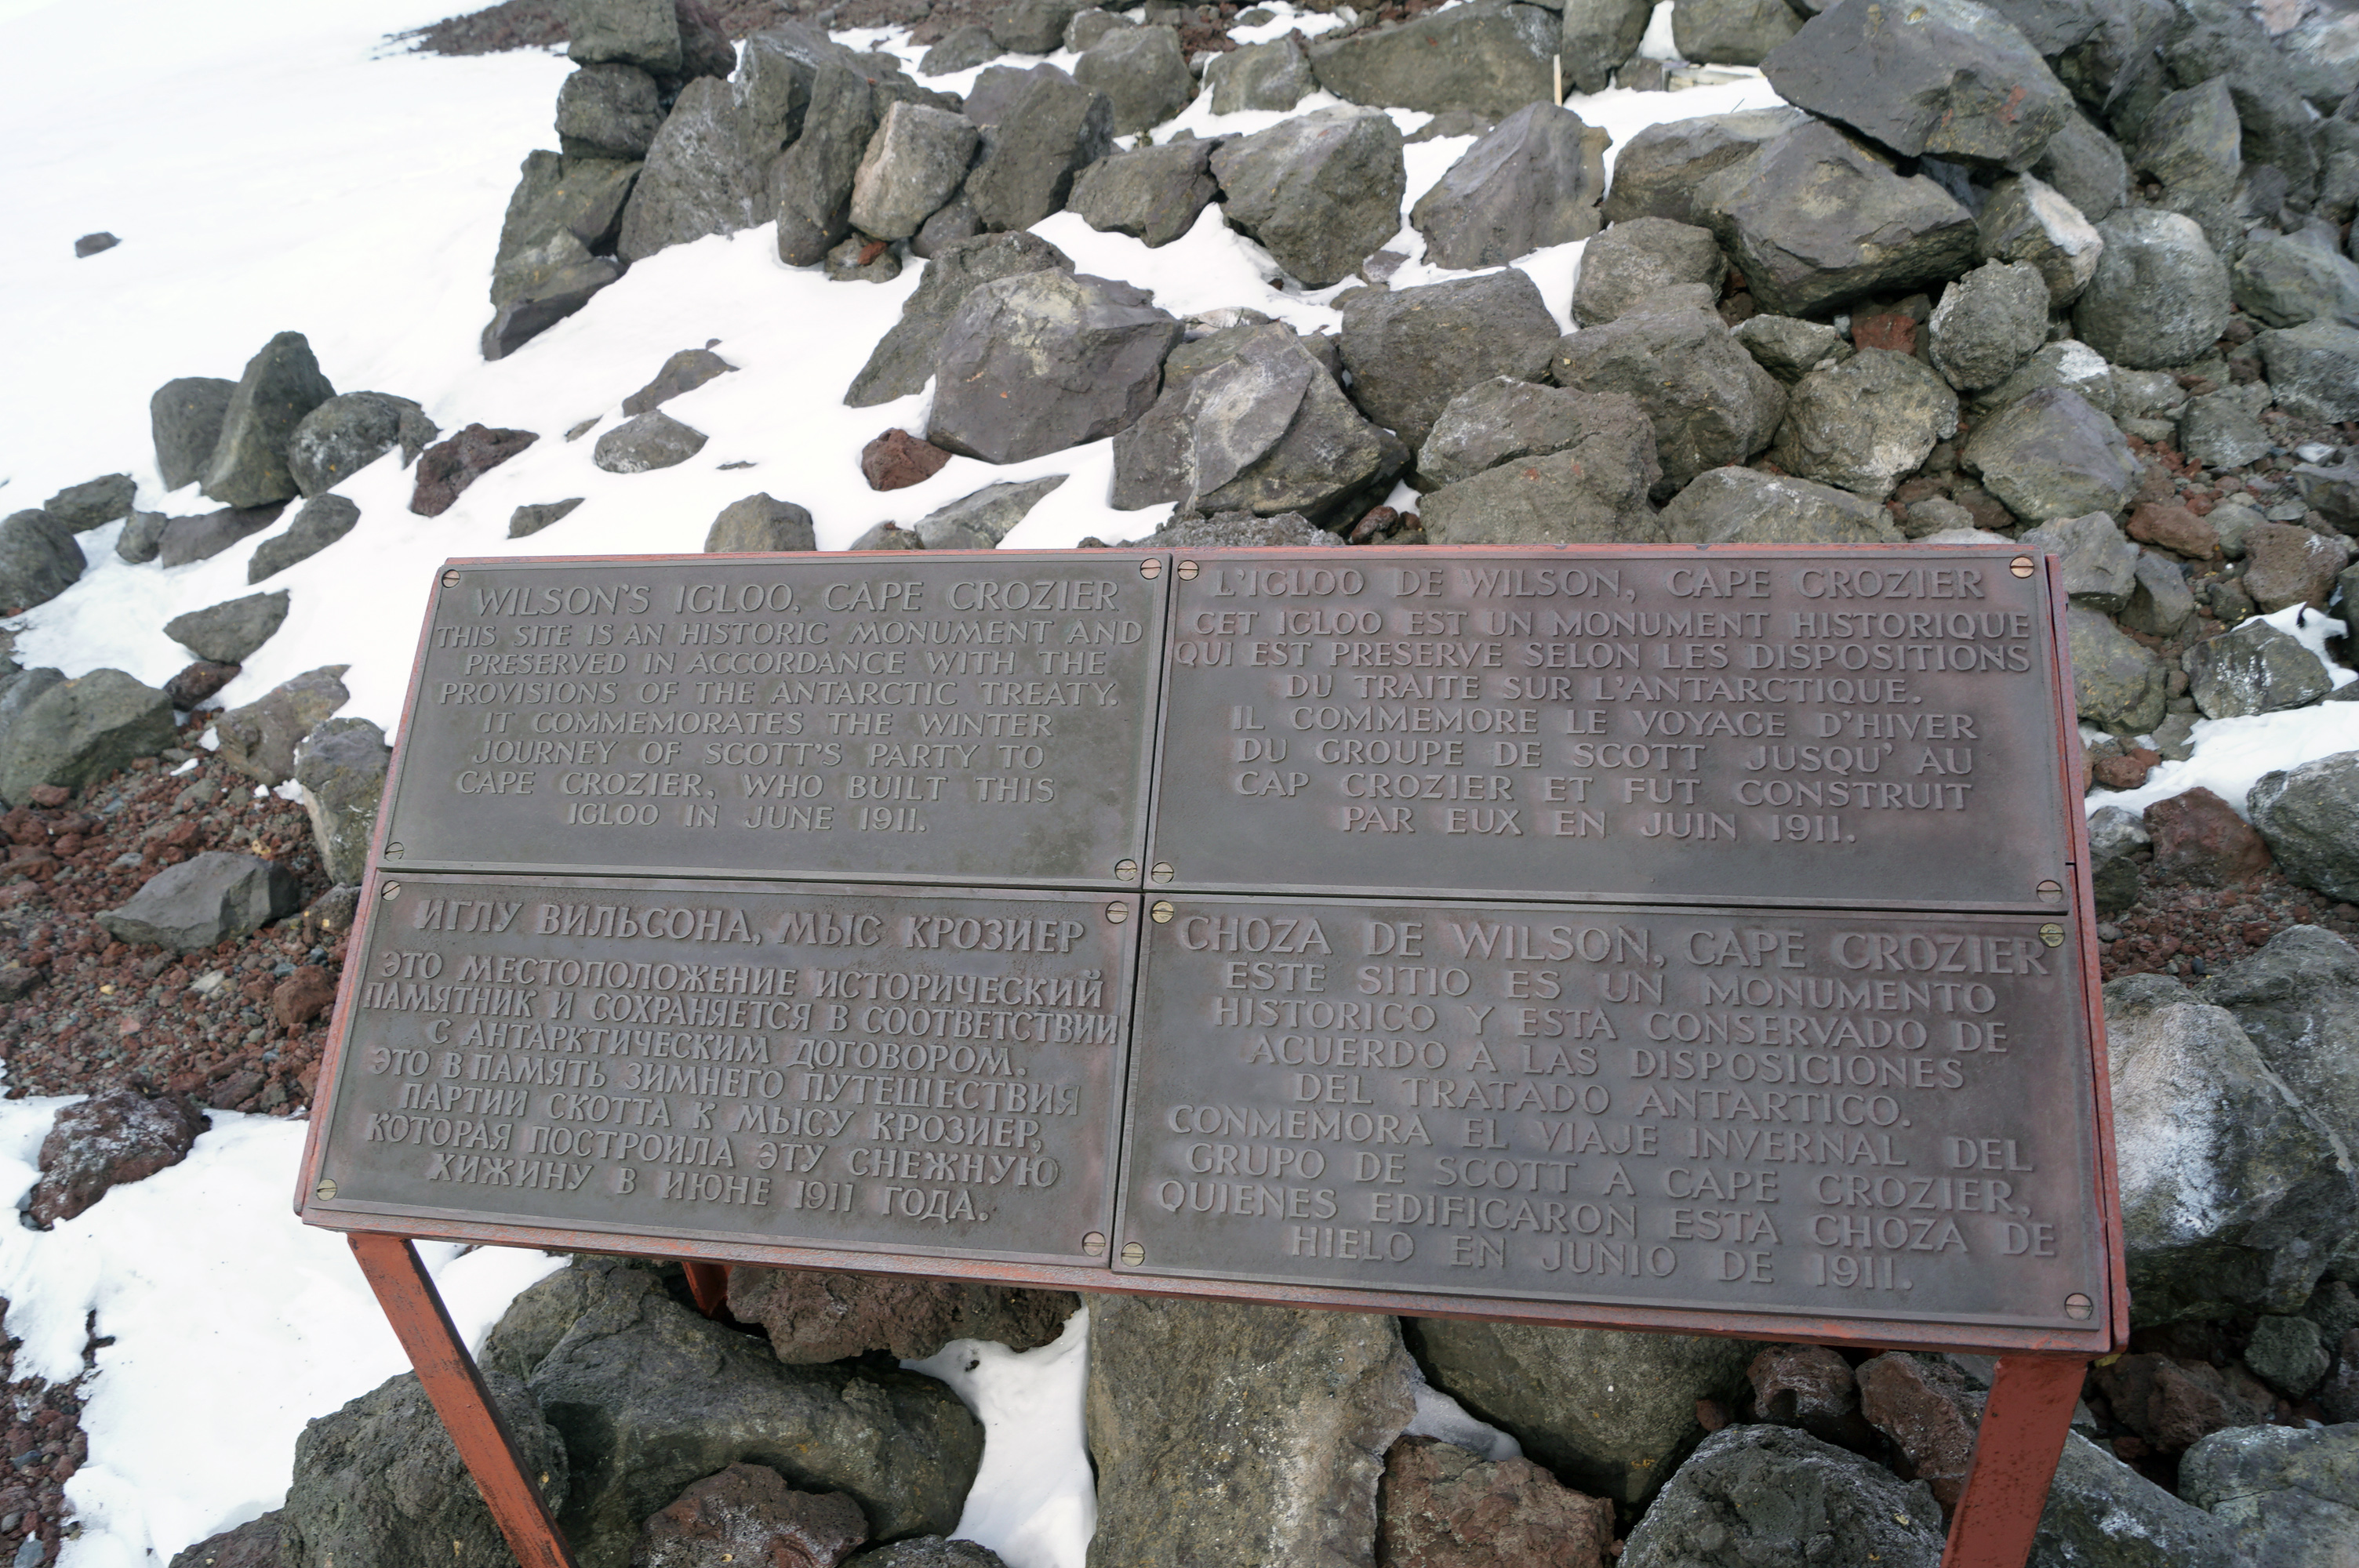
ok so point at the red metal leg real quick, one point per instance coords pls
(414, 1307)
(2023, 1431)
(709, 1283)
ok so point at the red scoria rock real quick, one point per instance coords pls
(2200, 840)
(447, 468)
(107, 1142)
(747, 1517)
(896, 460)
(1927, 1411)
(1441, 1506)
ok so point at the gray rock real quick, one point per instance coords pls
(759, 525)
(2191, 141)
(1503, 419)
(2233, 1194)
(652, 440)
(811, 183)
(281, 384)
(2290, 1355)
(1773, 1496)
(2026, 220)
(776, 70)
(1051, 130)
(1533, 182)
(2254, 668)
(1274, 75)
(1611, 1414)
(2314, 370)
(1597, 36)
(2102, 1514)
(2286, 279)
(1320, 191)
(644, 33)
(2119, 846)
(1042, 360)
(350, 431)
(685, 372)
(1487, 56)
(1745, 506)
(1034, 27)
(2309, 818)
(1956, 82)
(813, 1317)
(915, 163)
(650, 1396)
(2215, 38)
(980, 521)
(185, 416)
(2333, 491)
(227, 632)
(78, 731)
(2067, 362)
(259, 739)
(211, 898)
(1816, 219)
(1143, 74)
(1711, 405)
(701, 175)
(93, 504)
(2221, 429)
(904, 358)
(17, 691)
(1988, 323)
(2286, 1497)
(2051, 455)
(1410, 350)
(1593, 489)
(609, 111)
(545, 286)
(2161, 602)
(39, 559)
(185, 539)
(2099, 565)
(2298, 1002)
(1154, 194)
(1659, 173)
(2086, 167)
(887, 535)
(2160, 294)
(1198, 1464)
(563, 212)
(1632, 262)
(1236, 530)
(961, 48)
(341, 766)
(927, 1551)
(1088, 27)
(1865, 423)
(1786, 346)
(1731, 32)
(957, 221)
(2117, 684)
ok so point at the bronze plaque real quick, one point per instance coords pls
(1828, 1115)
(1810, 726)
(971, 717)
(929, 1073)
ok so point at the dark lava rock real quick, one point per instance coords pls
(927, 1551)
(813, 1317)
(904, 359)
(2314, 368)
(2100, 1511)
(185, 539)
(190, 689)
(2051, 455)
(1772, 1496)
(186, 418)
(811, 185)
(319, 523)
(1444, 1507)
(379, 1484)
(609, 111)
(1500, 420)
(1034, 363)
(259, 739)
(2173, 1403)
(2284, 1495)
(645, 33)
(1659, 173)
(2160, 296)
(1731, 32)
(1320, 191)
(2309, 818)
(702, 176)
(92, 244)
(92, 503)
(2119, 846)
(563, 211)
(1143, 74)
(684, 371)
(1410, 350)
(1711, 403)
(1811, 1387)
(961, 48)
(1866, 423)
(1988, 323)
(1241, 530)
(1955, 81)
(1274, 75)
(1593, 489)
(2099, 567)
(78, 731)
(1745, 506)
(111, 1139)
(759, 525)
(1153, 194)
(534, 307)
(1487, 56)
(528, 520)
(2298, 1002)
(980, 521)
(281, 384)
(38, 559)
(1034, 27)
(896, 460)
(1534, 182)
(256, 1544)
(2254, 668)
(348, 432)
(1636, 260)
(651, 440)
(914, 162)
(887, 535)
(2029, 221)
(1050, 130)
(749, 1511)
(214, 897)
(447, 468)
(2117, 683)
(225, 634)
(1240, 1433)
(341, 766)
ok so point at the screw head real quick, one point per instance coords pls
(2078, 1307)
(1132, 1253)
(392, 891)
(1151, 567)
(394, 847)
(2022, 566)
(1126, 869)
(1093, 1244)
(324, 1191)
(1163, 872)
(2052, 933)
(2052, 891)
(1116, 913)
(450, 579)
(1163, 912)
(1188, 571)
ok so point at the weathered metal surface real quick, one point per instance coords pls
(928, 1073)
(1778, 725)
(976, 717)
(2024, 1424)
(1832, 1115)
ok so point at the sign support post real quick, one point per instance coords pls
(2024, 1424)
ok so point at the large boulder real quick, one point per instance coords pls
(2223, 429)
(2314, 368)
(811, 183)
(1227, 1434)
(78, 731)
(1034, 363)
(559, 229)
(1745, 506)
(645, 33)
(2029, 221)
(340, 767)
(2118, 846)
(1051, 129)
(1274, 75)
(2286, 1497)
(2102, 1512)
(115, 1137)
(2298, 1002)
(2283, 280)
(1591, 490)
(980, 520)
(211, 898)
(1770, 1495)
(1487, 56)
(2118, 683)
(2218, 38)
(1500, 420)
(180, 540)
(1953, 80)
(1664, 167)
(2159, 297)
(702, 176)
(649, 441)
(1444, 1504)
(259, 738)
(1787, 346)
(684, 371)
(185, 419)
(1321, 191)
(39, 559)
(2255, 667)
(350, 431)
(904, 358)
(95, 502)
(2051, 455)
(1629, 265)
(1410, 350)
(608, 111)
(814, 1317)
(1711, 403)
(1154, 194)
(1034, 27)
(1532, 182)
(1143, 74)
(2234, 1194)
(1988, 323)
(1597, 38)
(2309, 818)
(760, 523)
(914, 162)
(1816, 219)
(1612, 1414)
(280, 385)
(1731, 32)
(2086, 167)
(2098, 566)
(227, 633)
(1866, 423)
